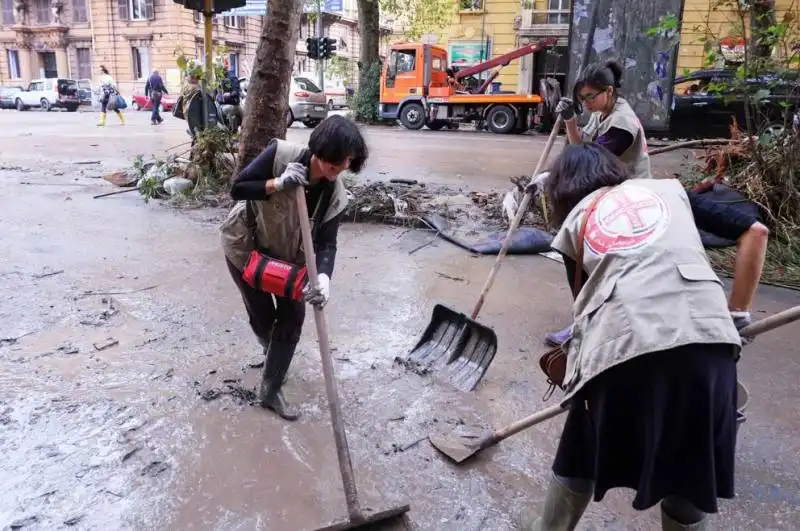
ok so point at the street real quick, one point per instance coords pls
(125, 352)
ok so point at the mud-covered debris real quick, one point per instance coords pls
(108, 343)
(74, 520)
(123, 179)
(24, 522)
(155, 468)
(103, 316)
(45, 274)
(233, 389)
(130, 453)
(67, 349)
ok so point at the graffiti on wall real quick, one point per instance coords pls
(643, 37)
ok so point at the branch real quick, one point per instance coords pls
(691, 144)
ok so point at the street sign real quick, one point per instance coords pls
(252, 8)
(333, 6)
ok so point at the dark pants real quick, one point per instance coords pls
(281, 322)
(156, 100)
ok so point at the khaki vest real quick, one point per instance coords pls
(277, 222)
(650, 286)
(622, 117)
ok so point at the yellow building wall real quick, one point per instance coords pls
(702, 16)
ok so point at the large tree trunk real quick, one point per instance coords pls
(369, 27)
(267, 102)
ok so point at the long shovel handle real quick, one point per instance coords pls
(759, 327)
(523, 207)
(342, 450)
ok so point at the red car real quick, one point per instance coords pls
(140, 102)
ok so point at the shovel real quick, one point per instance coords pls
(356, 517)
(459, 448)
(468, 346)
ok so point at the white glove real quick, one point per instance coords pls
(318, 297)
(740, 321)
(537, 183)
(292, 177)
(566, 108)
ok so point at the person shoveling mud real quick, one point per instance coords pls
(262, 244)
(654, 361)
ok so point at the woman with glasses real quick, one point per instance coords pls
(613, 123)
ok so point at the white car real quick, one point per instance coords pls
(306, 101)
(49, 94)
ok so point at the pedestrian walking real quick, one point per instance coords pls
(155, 90)
(651, 377)
(108, 97)
(263, 249)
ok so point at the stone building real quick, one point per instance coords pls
(72, 38)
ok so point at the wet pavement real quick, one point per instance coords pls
(118, 317)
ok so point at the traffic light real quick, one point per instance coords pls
(312, 48)
(327, 47)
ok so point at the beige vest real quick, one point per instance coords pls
(622, 117)
(650, 286)
(277, 222)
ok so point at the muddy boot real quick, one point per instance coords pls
(121, 118)
(669, 523)
(270, 395)
(102, 121)
(556, 339)
(562, 511)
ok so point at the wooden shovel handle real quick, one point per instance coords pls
(770, 323)
(523, 207)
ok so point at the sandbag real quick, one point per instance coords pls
(725, 194)
(526, 240)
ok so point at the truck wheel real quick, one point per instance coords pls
(412, 116)
(501, 120)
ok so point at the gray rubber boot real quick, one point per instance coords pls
(562, 511)
(270, 395)
(670, 524)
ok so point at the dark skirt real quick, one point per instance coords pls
(663, 424)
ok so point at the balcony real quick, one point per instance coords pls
(544, 23)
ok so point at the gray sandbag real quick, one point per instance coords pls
(526, 240)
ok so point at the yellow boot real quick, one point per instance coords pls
(121, 119)
(102, 121)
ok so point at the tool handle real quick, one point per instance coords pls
(523, 424)
(523, 207)
(770, 323)
(342, 450)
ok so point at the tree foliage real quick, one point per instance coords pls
(420, 17)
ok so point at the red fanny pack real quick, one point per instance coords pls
(282, 279)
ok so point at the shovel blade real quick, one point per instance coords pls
(466, 346)
(453, 447)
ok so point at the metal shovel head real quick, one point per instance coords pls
(367, 519)
(467, 347)
(458, 449)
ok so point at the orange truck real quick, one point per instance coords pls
(420, 89)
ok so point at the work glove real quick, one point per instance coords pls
(742, 320)
(537, 183)
(292, 177)
(318, 298)
(565, 108)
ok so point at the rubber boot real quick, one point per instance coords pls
(270, 395)
(121, 118)
(102, 121)
(562, 511)
(670, 524)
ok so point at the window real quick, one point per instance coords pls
(84, 56)
(196, 17)
(303, 83)
(141, 62)
(404, 61)
(232, 22)
(559, 11)
(437, 64)
(79, 11)
(42, 11)
(233, 64)
(136, 9)
(8, 12)
(13, 64)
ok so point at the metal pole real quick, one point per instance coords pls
(208, 13)
(321, 65)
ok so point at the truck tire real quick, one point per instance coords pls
(412, 116)
(501, 120)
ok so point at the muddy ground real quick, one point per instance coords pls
(119, 317)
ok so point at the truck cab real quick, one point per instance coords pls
(411, 70)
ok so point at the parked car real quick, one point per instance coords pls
(50, 93)
(140, 102)
(306, 101)
(8, 96)
(699, 110)
(85, 92)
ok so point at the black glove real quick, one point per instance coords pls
(742, 320)
(566, 108)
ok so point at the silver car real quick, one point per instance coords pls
(306, 101)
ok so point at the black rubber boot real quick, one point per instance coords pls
(270, 395)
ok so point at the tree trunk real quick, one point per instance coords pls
(762, 16)
(369, 26)
(267, 102)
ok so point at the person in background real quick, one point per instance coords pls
(652, 381)
(264, 227)
(108, 95)
(229, 97)
(155, 90)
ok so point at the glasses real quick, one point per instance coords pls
(590, 97)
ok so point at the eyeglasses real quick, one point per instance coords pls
(590, 97)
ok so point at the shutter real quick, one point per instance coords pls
(123, 10)
(149, 9)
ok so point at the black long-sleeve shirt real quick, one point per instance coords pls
(719, 219)
(251, 185)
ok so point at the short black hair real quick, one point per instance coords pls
(336, 139)
(580, 170)
(103, 69)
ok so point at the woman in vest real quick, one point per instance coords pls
(266, 220)
(651, 370)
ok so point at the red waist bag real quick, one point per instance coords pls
(280, 278)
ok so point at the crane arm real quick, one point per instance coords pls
(504, 59)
